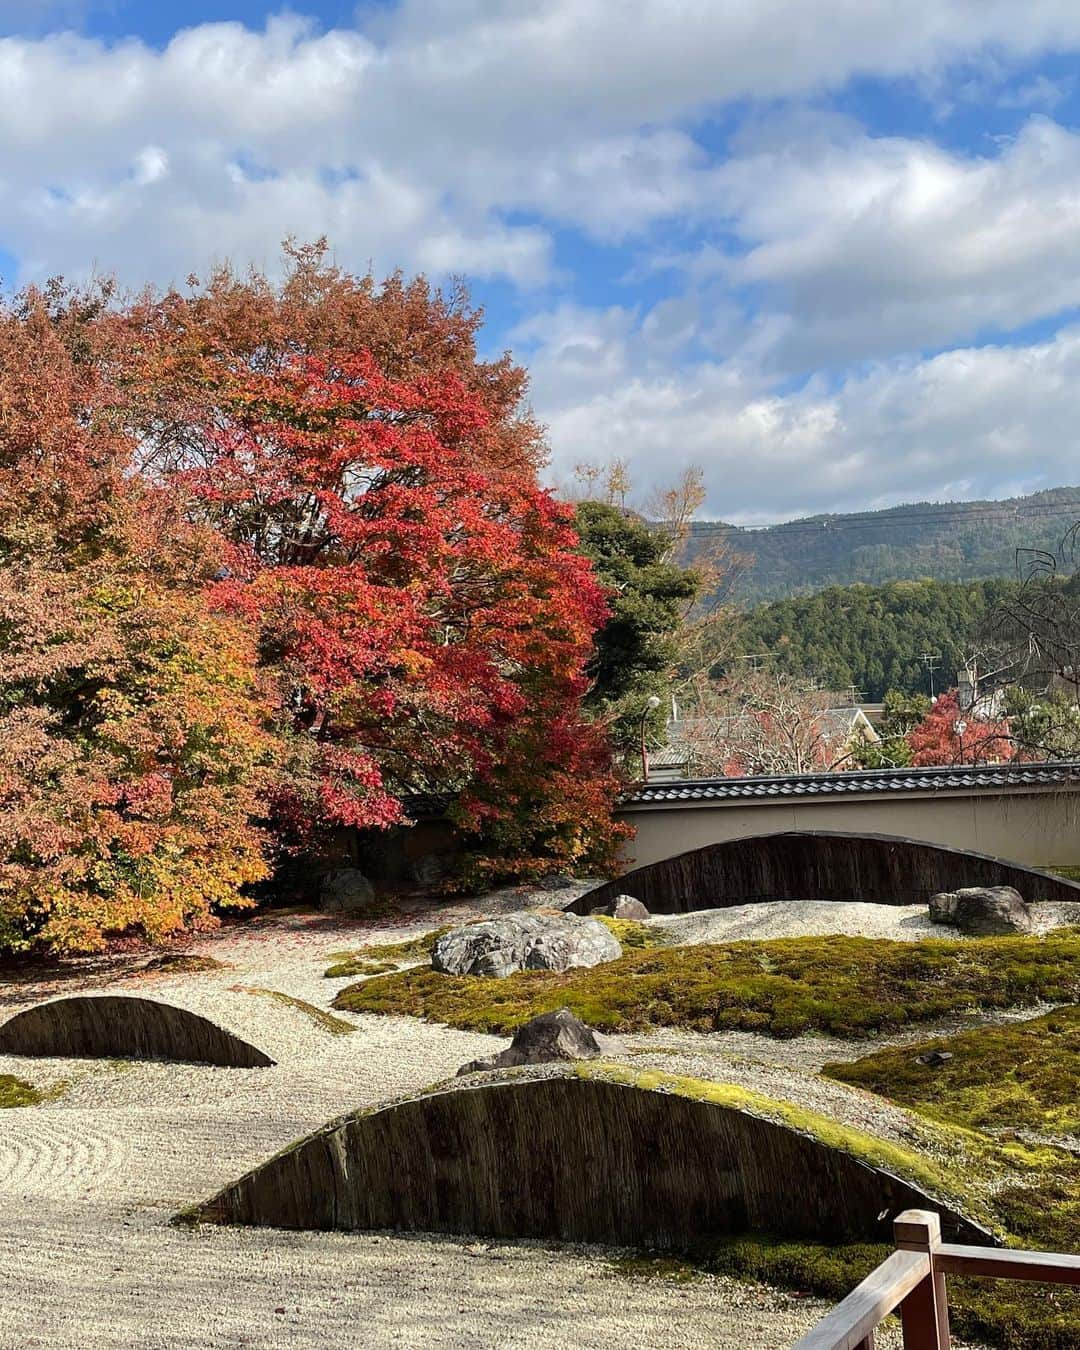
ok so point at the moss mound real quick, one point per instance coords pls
(842, 985)
(336, 1026)
(1024, 1075)
(387, 955)
(17, 1092)
(182, 963)
(633, 935)
(995, 1312)
(1001, 1080)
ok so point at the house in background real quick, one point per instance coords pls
(731, 746)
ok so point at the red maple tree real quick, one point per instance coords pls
(421, 599)
(948, 736)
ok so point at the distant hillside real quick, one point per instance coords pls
(872, 638)
(951, 541)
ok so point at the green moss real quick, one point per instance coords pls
(903, 1162)
(845, 986)
(1068, 873)
(1022, 1075)
(649, 1265)
(1001, 1080)
(336, 1026)
(386, 954)
(635, 936)
(185, 963)
(994, 1312)
(17, 1092)
(355, 967)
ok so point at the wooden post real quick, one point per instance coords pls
(924, 1314)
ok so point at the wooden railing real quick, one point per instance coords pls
(913, 1280)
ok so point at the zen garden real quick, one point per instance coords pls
(371, 976)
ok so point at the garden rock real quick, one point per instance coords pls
(557, 881)
(943, 907)
(623, 907)
(934, 1059)
(983, 911)
(551, 1036)
(345, 890)
(524, 941)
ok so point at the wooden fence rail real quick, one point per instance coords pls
(913, 1280)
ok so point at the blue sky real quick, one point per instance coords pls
(828, 250)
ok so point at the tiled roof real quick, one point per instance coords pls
(956, 778)
(668, 756)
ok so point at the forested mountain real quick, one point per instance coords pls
(873, 637)
(957, 541)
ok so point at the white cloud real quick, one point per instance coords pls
(962, 424)
(458, 136)
(480, 109)
(856, 247)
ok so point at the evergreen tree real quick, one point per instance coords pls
(648, 597)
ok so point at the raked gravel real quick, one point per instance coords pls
(90, 1181)
(809, 918)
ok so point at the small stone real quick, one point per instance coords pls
(427, 869)
(549, 1037)
(935, 1058)
(943, 907)
(623, 907)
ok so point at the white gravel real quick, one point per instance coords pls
(807, 918)
(89, 1182)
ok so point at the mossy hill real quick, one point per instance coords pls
(846, 986)
(1013, 1089)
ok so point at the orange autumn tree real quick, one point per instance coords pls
(417, 595)
(134, 740)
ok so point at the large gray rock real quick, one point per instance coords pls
(524, 941)
(345, 890)
(551, 1036)
(983, 911)
(623, 907)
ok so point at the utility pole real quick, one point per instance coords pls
(932, 662)
(755, 659)
(651, 704)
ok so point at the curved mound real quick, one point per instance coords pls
(818, 865)
(117, 1026)
(588, 1155)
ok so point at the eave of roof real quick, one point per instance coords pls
(957, 778)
